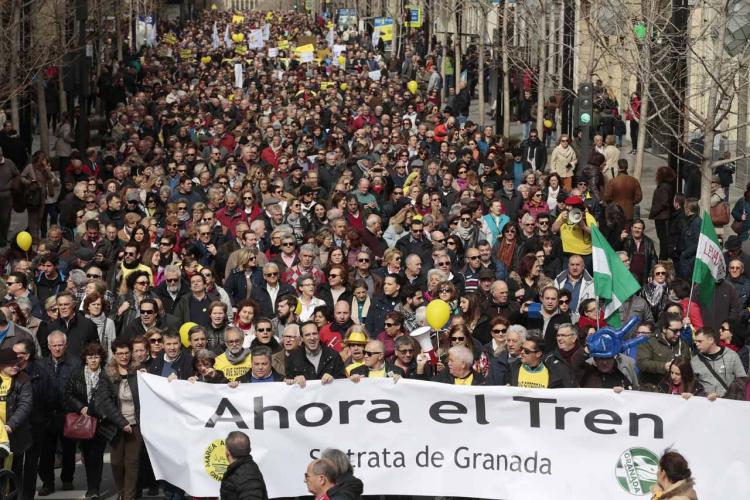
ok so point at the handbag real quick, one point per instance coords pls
(77, 426)
(720, 214)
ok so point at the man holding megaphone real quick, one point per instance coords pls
(574, 226)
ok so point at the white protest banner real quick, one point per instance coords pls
(374, 75)
(273, 52)
(255, 39)
(238, 77)
(266, 32)
(306, 57)
(424, 438)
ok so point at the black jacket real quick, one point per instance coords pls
(260, 295)
(43, 389)
(550, 334)
(423, 247)
(243, 481)
(380, 305)
(330, 362)
(59, 374)
(183, 366)
(102, 405)
(324, 294)
(347, 487)
(166, 299)
(445, 377)
(80, 331)
(18, 413)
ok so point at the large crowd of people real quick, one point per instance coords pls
(295, 228)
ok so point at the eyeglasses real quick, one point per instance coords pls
(204, 233)
(458, 339)
(473, 257)
(363, 260)
(388, 325)
(147, 311)
(12, 282)
(543, 222)
(271, 274)
(331, 275)
(499, 330)
(444, 264)
(405, 351)
(158, 340)
(172, 280)
(129, 254)
(663, 273)
(164, 243)
(269, 329)
(528, 351)
(142, 283)
(564, 301)
(287, 244)
(465, 219)
(370, 353)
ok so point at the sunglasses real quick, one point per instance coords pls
(499, 330)
(172, 280)
(458, 339)
(270, 274)
(142, 283)
(528, 351)
(370, 353)
(156, 341)
(363, 260)
(147, 311)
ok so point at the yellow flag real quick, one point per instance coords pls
(237, 19)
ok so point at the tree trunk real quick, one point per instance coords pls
(642, 126)
(480, 69)
(506, 76)
(42, 110)
(542, 73)
(457, 47)
(720, 21)
(15, 47)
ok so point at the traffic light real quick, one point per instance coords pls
(585, 103)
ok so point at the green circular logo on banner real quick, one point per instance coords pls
(585, 118)
(636, 470)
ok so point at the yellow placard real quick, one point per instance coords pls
(283, 44)
(170, 38)
(240, 49)
(327, 85)
(186, 54)
(238, 19)
(304, 48)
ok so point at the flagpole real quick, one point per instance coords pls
(597, 313)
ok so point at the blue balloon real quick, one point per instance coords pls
(607, 342)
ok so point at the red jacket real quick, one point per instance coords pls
(271, 157)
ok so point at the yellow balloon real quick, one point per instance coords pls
(412, 86)
(184, 329)
(342, 60)
(23, 240)
(438, 313)
(548, 123)
(344, 86)
(206, 59)
(238, 37)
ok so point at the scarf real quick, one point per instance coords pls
(655, 292)
(236, 359)
(100, 321)
(92, 381)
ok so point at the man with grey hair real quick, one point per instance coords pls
(172, 289)
(59, 365)
(290, 340)
(515, 338)
(320, 477)
(460, 371)
(347, 486)
(307, 253)
(242, 479)
(271, 290)
(372, 236)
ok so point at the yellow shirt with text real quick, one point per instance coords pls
(233, 372)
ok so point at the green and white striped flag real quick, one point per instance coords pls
(612, 280)
(709, 261)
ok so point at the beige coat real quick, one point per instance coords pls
(560, 159)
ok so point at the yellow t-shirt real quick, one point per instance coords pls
(536, 379)
(464, 381)
(377, 373)
(5, 383)
(574, 240)
(233, 372)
